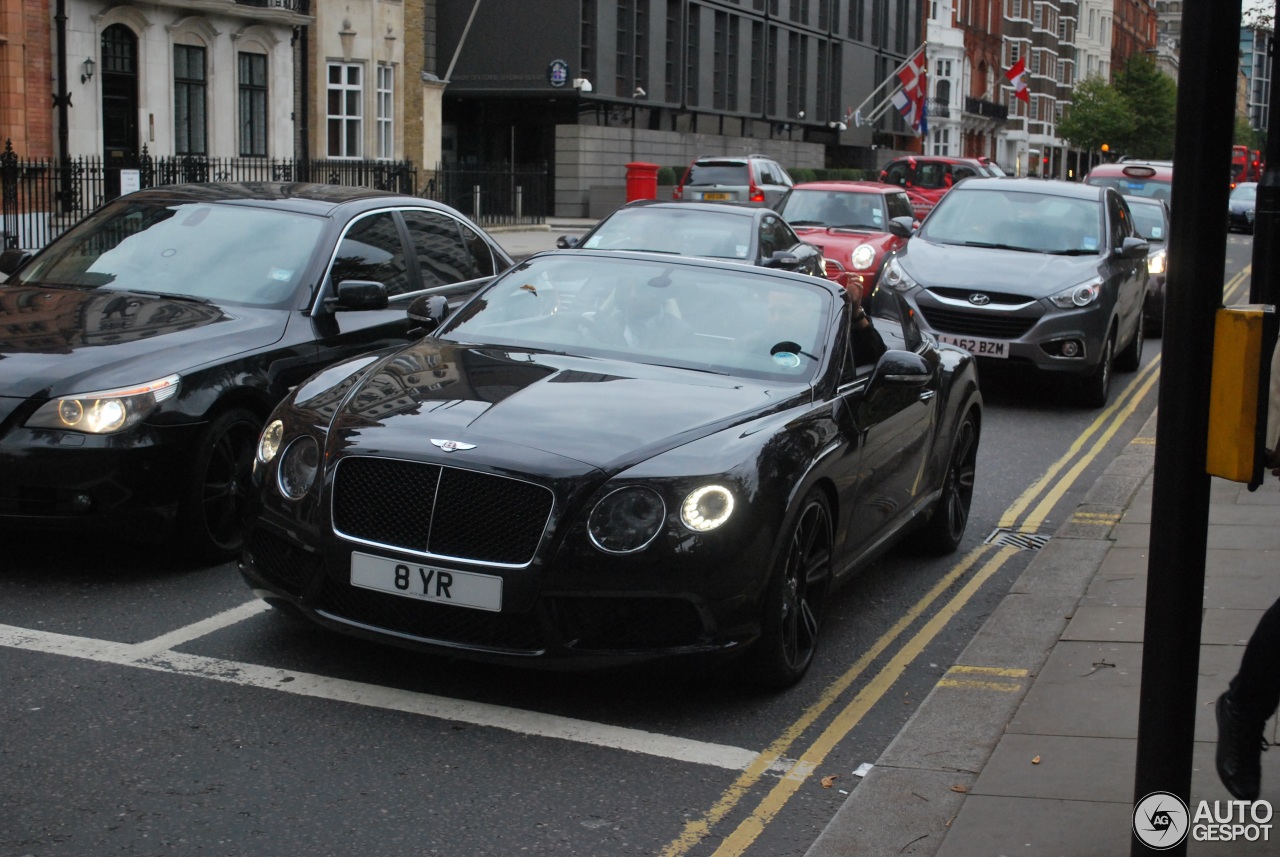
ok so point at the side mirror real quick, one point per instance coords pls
(902, 226)
(360, 295)
(568, 242)
(428, 311)
(900, 370)
(784, 259)
(1134, 248)
(13, 259)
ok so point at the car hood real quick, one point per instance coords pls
(606, 414)
(823, 236)
(1036, 275)
(55, 341)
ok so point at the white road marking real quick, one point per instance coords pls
(156, 655)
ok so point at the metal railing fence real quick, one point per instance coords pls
(39, 198)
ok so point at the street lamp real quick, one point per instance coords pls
(88, 70)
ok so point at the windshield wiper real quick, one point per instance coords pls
(173, 297)
(806, 222)
(991, 246)
(1074, 251)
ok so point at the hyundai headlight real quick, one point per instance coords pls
(626, 520)
(298, 467)
(1077, 296)
(1156, 262)
(706, 508)
(896, 278)
(104, 411)
(863, 257)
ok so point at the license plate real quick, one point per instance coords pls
(977, 347)
(719, 197)
(426, 582)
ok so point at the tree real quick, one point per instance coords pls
(1153, 99)
(1098, 114)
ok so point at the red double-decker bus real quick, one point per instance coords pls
(1246, 165)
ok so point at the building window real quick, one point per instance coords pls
(190, 135)
(386, 111)
(345, 110)
(857, 20)
(757, 67)
(942, 142)
(673, 50)
(253, 105)
(693, 38)
(720, 59)
(735, 37)
(624, 48)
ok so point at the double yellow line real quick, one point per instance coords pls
(980, 563)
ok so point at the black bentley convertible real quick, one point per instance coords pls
(610, 457)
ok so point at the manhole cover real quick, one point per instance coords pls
(1021, 541)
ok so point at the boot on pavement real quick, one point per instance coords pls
(1239, 754)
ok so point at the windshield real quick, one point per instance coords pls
(834, 209)
(718, 174)
(688, 232)
(1245, 191)
(222, 253)
(732, 322)
(1015, 220)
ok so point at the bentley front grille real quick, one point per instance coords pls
(439, 511)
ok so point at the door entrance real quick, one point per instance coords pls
(119, 105)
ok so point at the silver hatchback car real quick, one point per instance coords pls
(749, 179)
(1047, 274)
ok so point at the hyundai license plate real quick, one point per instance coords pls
(426, 583)
(977, 347)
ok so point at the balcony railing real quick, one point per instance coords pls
(985, 109)
(302, 7)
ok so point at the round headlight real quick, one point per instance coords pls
(863, 257)
(707, 508)
(627, 520)
(269, 442)
(298, 467)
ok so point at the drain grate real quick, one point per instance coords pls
(1021, 541)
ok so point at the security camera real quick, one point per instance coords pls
(800, 115)
(582, 84)
(639, 93)
(839, 126)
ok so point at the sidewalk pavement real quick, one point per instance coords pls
(522, 241)
(1027, 745)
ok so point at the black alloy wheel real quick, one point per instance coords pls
(945, 528)
(1097, 386)
(213, 517)
(795, 598)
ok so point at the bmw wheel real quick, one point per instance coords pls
(950, 516)
(213, 515)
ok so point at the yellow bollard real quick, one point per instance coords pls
(1243, 338)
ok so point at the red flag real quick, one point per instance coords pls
(913, 77)
(1017, 76)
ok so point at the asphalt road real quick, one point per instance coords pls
(151, 708)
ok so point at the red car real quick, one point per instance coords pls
(857, 224)
(926, 178)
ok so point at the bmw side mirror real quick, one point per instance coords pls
(360, 295)
(427, 312)
(13, 259)
(784, 259)
(900, 370)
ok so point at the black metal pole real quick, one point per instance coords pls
(62, 100)
(1180, 503)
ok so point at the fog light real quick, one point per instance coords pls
(1071, 348)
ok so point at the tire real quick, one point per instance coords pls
(945, 527)
(1097, 386)
(1130, 358)
(212, 519)
(791, 612)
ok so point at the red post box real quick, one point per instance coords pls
(642, 181)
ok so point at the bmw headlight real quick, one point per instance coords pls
(104, 411)
(626, 520)
(706, 508)
(863, 257)
(298, 467)
(1155, 263)
(269, 441)
(1077, 296)
(896, 278)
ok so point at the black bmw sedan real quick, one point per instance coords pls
(142, 350)
(606, 457)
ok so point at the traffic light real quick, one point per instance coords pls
(1106, 148)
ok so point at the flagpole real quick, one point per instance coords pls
(878, 110)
